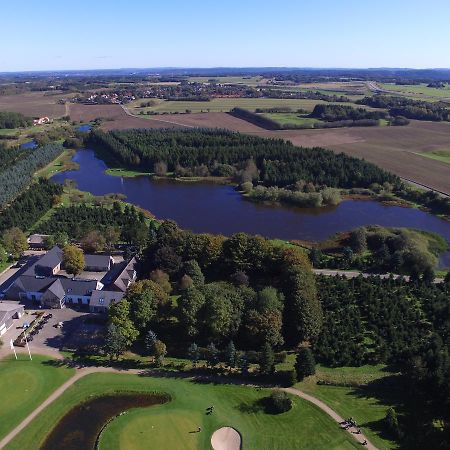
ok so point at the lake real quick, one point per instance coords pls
(214, 208)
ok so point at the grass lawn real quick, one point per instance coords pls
(438, 155)
(224, 105)
(24, 385)
(62, 163)
(357, 402)
(247, 81)
(9, 131)
(418, 89)
(168, 426)
(292, 118)
(126, 173)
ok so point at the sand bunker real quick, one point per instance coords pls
(226, 438)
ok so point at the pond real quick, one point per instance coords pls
(84, 128)
(83, 424)
(29, 145)
(214, 208)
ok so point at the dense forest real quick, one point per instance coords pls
(406, 325)
(14, 120)
(77, 221)
(378, 250)
(17, 176)
(257, 119)
(329, 116)
(10, 155)
(29, 206)
(333, 113)
(242, 288)
(258, 297)
(411, 109)
(273, 162)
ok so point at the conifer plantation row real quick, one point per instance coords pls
(279, 163)
(18, 175)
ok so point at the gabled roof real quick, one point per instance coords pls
(97, 260)
(50, 260)
(56, 289)
(8, 309)
(78, 287)
(27, 283)
(105, 298)
(125, 275)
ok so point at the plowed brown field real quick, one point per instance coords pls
(34, 104)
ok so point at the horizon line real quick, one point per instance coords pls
(156, 68)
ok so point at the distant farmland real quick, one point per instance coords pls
(34, 104)
(224, 105)
(418, 90)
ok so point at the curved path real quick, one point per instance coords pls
(332, 413)
(81, 372)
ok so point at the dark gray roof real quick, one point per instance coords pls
(125, 276)
(10, 307)
(105, 298)
(28, 283)
(78, 287)
(50, 260)
(57, 289)
(8, 310)
(97, 260)
(41, 284)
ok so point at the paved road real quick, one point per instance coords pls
(82, 372)
(355, 274)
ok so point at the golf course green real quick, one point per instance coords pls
(25, 385)
(175, 424)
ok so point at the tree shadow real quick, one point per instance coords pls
(388, 391)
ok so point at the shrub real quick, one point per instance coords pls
(278, 403)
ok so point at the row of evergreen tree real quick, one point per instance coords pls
(14, 120)
(30, 205)
(411, 109)
(15, 178)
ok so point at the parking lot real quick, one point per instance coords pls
(79, 329)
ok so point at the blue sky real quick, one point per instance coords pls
(48, 34)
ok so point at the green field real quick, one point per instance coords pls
(292, 119)
(9, 131)
(224, 105)
(438, 155)
(126, 173)
(25, 385)
(419, 89)
(248, 81)
(62, 163)
(168, 426)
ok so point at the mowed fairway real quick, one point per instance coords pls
(24, 384)
(174, 425)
